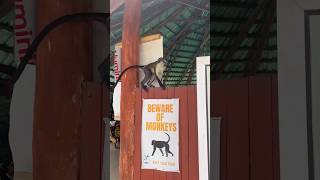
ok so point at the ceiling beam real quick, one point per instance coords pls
(244, 29)
(155, 11)
(262, 41)
(191, 66)
(7, 69)
(266, 60)
(115, 4)
(234, 34)
(233, 4)
(234, 20)
(6, 27)
(243, 48)
(192, 4)
(6, 48)
(5, 7)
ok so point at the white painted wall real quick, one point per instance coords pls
(21, 120)
(292, 88)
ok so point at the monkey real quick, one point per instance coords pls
(152, 71)
(160, 145)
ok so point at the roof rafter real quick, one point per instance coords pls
(6, 27)
(6, 48)
(262, 41)
(244, 29)
(233, 4)
(191, 65)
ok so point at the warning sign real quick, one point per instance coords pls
(160, 134)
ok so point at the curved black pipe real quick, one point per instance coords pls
(103, 18)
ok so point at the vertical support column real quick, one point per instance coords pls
(130, 51)
(63, 62)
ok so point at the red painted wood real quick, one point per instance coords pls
(146, 174)
(171, 94)
(261, 132)
(275, 127)
(161, 94)
(193, 135)
(182, 94)
(188, 145)
(63, 62)
(137, 140)
(238, 130)
(130, 56)
(91, 145)
(249, 129)
(219, 109)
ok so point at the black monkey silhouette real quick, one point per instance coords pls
(160, 145)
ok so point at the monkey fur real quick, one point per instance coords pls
(152, 71)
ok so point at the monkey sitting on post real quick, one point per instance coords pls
(152, 71)
(160, 145)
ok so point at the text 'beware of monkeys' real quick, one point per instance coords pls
(160, 134)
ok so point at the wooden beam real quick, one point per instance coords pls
(6, 48)
(61, 70)
(155, 11)
(233, 4)
(266, 60)
(191, 66)
(244, 29)
(7, 69)
(262, 41)
(6, 27)
(170, 18)
(5, 7)
(130, 56)
(192, 4)
(115, 4)
(234, 34)
(243, 48)
(217, 19)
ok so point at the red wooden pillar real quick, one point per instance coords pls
(130, 55)
(63, 62)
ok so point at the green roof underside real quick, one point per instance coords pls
(244, 38)
(185, 27)
(7, 62)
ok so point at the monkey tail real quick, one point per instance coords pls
(122, 73)
(168, 137)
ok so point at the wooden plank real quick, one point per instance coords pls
(182, 94)
(130, 56)
(275, 127)
(193, 163)
(260, 125)
(238, 132)
(64, 62)
(146, 174)
(219, 109)
(137, 141)
(91, 132)
(161, 94)
(172, 176)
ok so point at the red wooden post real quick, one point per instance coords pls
(130, 51)
(63, 62)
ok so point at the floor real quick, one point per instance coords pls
(114, 163)
(22, 176)
(114, 167)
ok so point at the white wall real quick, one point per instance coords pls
(292, 88)
(21, 120)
